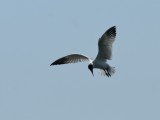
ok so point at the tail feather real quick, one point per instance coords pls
(112, 70)
(108, 72)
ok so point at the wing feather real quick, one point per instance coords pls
(105, 44)
(73, 58)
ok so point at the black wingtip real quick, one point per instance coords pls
(113, 27)
(111, 31)
(52, 64)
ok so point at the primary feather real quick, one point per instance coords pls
(73, 58)
(105, 44)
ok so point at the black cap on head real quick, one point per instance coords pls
(90, 67)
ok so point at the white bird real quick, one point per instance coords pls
(104, 54)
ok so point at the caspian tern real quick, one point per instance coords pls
(104, 54)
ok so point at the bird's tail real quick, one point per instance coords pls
(109, 71)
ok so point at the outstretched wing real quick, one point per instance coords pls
(73, 58)
(105, 44)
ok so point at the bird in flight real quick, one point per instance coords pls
(104, 54)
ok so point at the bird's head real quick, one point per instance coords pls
(90, 67)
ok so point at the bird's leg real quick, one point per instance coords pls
(106, 72)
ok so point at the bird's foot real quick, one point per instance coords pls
(107, 72)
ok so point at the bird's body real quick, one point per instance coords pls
(104, 54)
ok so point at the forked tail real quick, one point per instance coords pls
(108, 71)
(112, 70)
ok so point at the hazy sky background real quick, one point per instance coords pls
(34, 33)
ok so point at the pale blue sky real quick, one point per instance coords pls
(34, 33)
